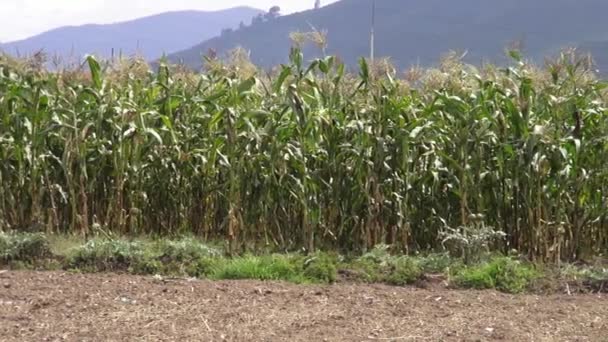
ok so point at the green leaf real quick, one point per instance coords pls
(516, 55)
(323, 66)
(95, 72)
(286, 72)
(363, 70)
(246, 85)
(154, 134)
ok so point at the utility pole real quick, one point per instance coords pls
(372, 36)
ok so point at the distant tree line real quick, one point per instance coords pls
(273, 13)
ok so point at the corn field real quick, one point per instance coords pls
(309, 156)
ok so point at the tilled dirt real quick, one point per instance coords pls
(58, 306)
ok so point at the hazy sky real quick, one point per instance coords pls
(23, 18)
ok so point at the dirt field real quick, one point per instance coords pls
(57, 306)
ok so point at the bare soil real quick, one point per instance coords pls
(59, 306)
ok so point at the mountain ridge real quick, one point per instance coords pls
(420, 31)
(151, 35)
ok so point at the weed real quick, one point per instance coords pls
(470, 241)
(320, 268)
(25, 247)
(184, 250)
(203, 267)
(504, 274)
(378, 255)
(404, 270)
(476, 278)
(378, 265)
(109, 255)
(272, 267)
(437, 263)
(365, 270)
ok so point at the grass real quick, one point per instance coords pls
(379, 265)
(502, 273)
(190, 257)
(268, 267)
(63, 244)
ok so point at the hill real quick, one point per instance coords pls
(150, 36)
(420, 31)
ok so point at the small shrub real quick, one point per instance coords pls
(437, 263)
(575, 273)
(373, 266)
(513, 276)
(145, 266)
(320, 268)
(23, 247)
(584, 278)
(379, 265)
(404, 270)
(108, 255)
(185, 250)
(472, 241)
(366, 270)
(202, 267)
(379, 255)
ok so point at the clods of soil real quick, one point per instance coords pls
(59, 306)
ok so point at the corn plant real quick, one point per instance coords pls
(308, 156)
